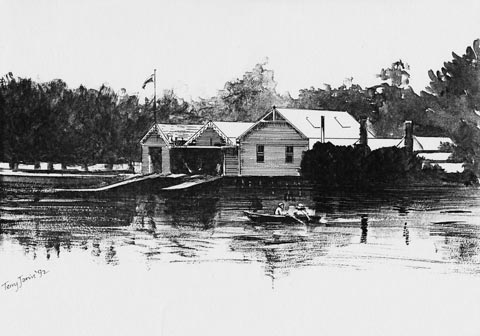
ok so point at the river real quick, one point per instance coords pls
(387, 261)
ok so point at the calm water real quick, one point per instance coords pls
(437, 228)
(410, 254)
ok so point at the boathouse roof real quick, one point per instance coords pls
(338, 124)
(228, 130)
(172, 132)
(233, 129)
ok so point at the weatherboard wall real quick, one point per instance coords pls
(210, 137)
(155, 140)
(230, 162)
(274, 136)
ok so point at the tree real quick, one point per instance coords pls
(395, 102)
(53, 138)
(23, 112)
(353, 99)
(172, 109)
(397, 74)
(133, 123)
(245, 99)
(453, 97)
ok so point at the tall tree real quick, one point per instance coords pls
(454, 101)
(396, 102)
(23, 109)
(244, 99)
(353, 99)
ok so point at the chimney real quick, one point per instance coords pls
(322, 129)
(363, 132)
(409, 136)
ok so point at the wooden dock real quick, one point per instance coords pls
(197, 180)
(62, 179)
(186, 182)
(123, 183)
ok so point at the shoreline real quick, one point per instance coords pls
(41, 180)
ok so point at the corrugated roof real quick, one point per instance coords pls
(233, 129)
(179, 131)
(338, 124)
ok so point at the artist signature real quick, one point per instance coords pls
(23, 279)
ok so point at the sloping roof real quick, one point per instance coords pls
(427, 143)
(432, 143)
(179, 131)
(169, 132)
(153, 130)
(228, 130)
(419, 143)
(338, 124)
(233, 129)
(272, 114)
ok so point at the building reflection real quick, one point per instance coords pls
(180, 227)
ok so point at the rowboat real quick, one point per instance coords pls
(267, 218)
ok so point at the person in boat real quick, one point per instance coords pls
(280, 210)
(301, 211)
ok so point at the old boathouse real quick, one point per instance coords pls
(272, 146)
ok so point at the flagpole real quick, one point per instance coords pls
(155, 96)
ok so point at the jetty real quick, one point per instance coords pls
(173, 182)
(197, 180)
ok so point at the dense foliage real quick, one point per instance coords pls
(51, 122)
(454, 102)
(245, 99)
(332, 165)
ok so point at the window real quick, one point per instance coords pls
(289, 154)
(260, 153)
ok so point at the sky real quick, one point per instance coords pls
(196, 46)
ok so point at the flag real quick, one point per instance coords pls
(148, 80)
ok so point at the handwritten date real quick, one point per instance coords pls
(19, 282)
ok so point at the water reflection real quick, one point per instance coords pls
(364, 227)
(111, 255)
(406, 234)
(278, 247)
(209, 225)
(256, 203)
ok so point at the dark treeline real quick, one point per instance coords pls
(357, 165)
(51, 122)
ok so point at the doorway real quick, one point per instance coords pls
(155, 159)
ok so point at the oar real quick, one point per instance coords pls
(298, 220)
